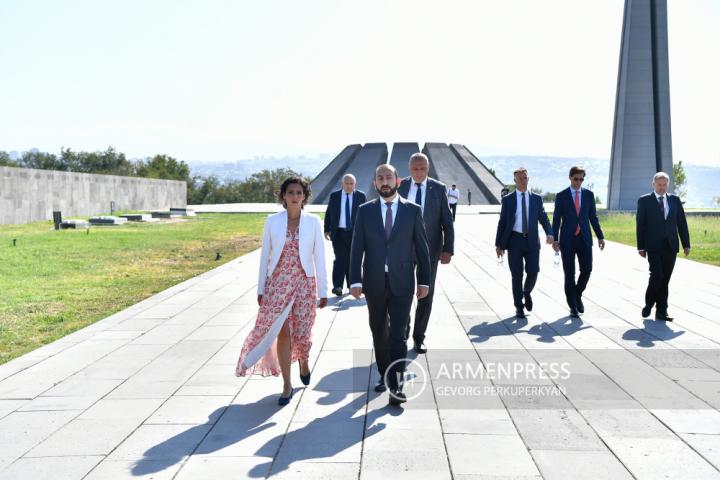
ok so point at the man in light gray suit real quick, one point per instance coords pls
(431, 196)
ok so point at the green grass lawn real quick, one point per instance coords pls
(55, 282)
(704, 234)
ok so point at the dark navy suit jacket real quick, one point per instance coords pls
(566, 219)
(370, 249)
(332, 214)
(653, 229)
(536, 213)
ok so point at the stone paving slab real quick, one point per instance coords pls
(150, 392)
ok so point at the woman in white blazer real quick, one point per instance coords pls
(292, 276)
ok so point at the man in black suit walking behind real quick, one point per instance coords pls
(574, 213)
(339, 220)
(517, 232)
(660, 219)
(432, 198)
(389, 232)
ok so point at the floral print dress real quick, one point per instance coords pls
(290, 295)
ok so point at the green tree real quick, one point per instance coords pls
(549, 197)
(41, 160)
(680, 180)
(163, 166)
(6, 161)
(263, 186)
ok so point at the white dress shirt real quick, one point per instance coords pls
(665, 201)
(383, 211)
(518, 211)
(453, 196)
(344, 198)
(413, 192)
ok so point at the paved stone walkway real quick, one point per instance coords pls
(150, 392)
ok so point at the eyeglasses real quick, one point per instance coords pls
(578, 179)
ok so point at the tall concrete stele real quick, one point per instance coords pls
(642, 143)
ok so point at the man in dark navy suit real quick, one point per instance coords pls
(431, 195)
(574, 213)
(517, 232)
(339, 220)
(388, 240)
(660, 219)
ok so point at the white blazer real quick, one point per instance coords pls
(312, 248)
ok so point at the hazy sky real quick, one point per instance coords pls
(227, 80)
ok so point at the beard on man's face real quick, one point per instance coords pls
(386, 191)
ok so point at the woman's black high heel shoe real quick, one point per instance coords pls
(282, 401)
(305, 379)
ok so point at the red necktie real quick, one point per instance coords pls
(577, 210)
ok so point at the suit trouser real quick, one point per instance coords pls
(424, 306)
(389, 320)
(341, 265)
(583, 251)
(453, 209)
(519, 253)
(662, 263)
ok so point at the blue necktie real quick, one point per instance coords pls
(348, 220)
(418, 194)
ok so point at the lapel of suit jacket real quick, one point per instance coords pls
(404, 188)
(379, 218)
(512, 209)
(401, 208)
(531, 210)
(428, 192)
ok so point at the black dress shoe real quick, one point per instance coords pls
(580, 306)
(574, 313)
(305, 379)
(337, 291)
(420, 348)
(663, 316)
(380, 386)
(396, 398)
(646, 311)
(519, 313)
(528, 302)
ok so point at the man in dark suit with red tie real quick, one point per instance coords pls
(339, 220)
(574, 214)
(660, 220)
(517, 232)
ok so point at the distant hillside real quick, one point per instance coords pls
(551, 174)
(241, 169)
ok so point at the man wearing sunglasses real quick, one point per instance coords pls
(574, 214)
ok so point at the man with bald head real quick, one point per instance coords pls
(389, 238)
(431, 196)
(339, 220)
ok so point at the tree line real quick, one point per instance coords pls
(260, 187)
